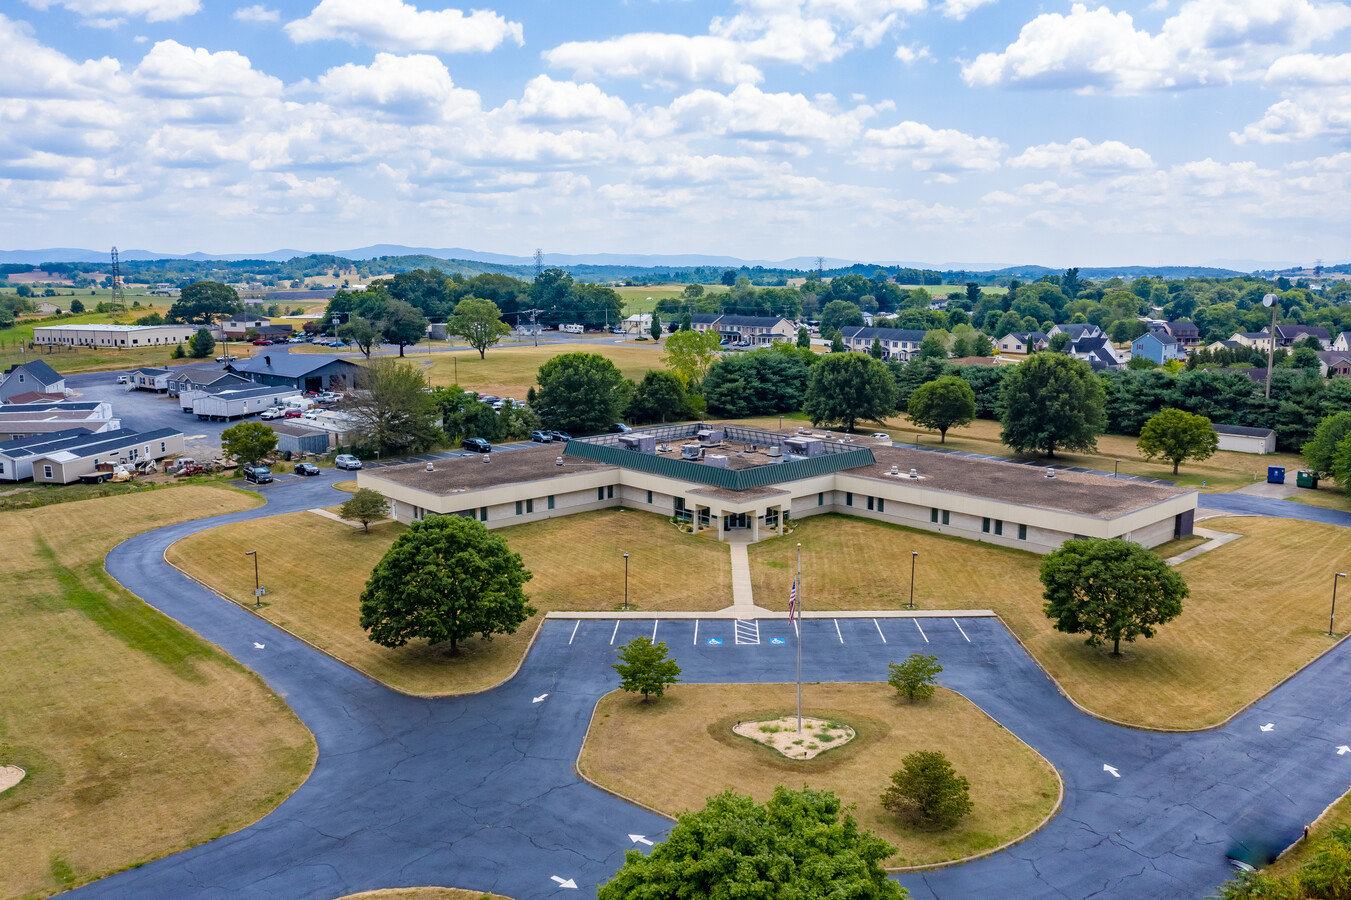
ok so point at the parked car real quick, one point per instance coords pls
(478, 445)
(335, 344)
(490, 398)
(307, 469)
(122, 379)
(329, 397)
(881, 435)
(347, 461)
(294, 412)
(258, 474)
(226, 359)
(561, 436)
(619, 428)
(312, 413)
(272, 412)
(262, 342)
(542, 437)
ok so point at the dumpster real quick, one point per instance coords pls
(1306, 479)
(1275, 474)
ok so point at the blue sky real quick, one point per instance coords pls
(971, 131)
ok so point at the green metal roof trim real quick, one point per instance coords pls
(731, 479)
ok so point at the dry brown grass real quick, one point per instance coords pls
(1329, 496)
(674, 753)
(423, 893)
(139, 738)
(1254, 617)
(510, 371)
(577, 563)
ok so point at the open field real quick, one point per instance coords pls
(423, 893)
(1225, 471)
(636, 297)
(941, 290)
(1329, 495)
(511, 371)
(1252, 618)
(139, 738)
(673, 753)
(315, 570)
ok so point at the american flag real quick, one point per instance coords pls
(792, 603)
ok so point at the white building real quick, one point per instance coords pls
(1241, 439)
(119, 336)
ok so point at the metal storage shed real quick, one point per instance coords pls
(298, 439)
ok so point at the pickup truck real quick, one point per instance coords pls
(272, 412)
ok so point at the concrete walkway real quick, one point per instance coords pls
(337, 518)
(1214, 540)
(743, 596)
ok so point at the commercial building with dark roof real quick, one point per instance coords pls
(723, 478)
(302, 371)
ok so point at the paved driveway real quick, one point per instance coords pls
(480, 791)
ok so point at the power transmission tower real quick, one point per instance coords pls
(820, 266)
(118, 302)
(539, 262)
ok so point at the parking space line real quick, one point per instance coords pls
(613, 633)
(696, 632)
(921, 631)
(961, 629)
(654, 629)
(879, 632)
(837, 630)
(574, 631)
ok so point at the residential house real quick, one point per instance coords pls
(68, 463)
(25, 378)
(1334, 362)
(1185, 333)
(1157, 347)
(188, 378)
(1258, 340)
(235, 327)
(16, 454)
(1242, 439)
(25, 420)
(1023, 342)
(1096, 351)
(1076, 331)
(746, 329)
(236, 403)
(1289, 335)
(149, 378)
(897, 343)
(1222, 345)
(302, 371)
(1343, 341)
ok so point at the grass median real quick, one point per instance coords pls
(673, 753)
(423, 893)
(1257, 611)
(315, 569)
(139, 738)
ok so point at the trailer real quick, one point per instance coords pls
(241, 402)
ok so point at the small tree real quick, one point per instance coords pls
(655, 328)
(837, 343)
(1177, 435)
(1058, 342)
(686, 322)
(178, 352)
(876, 351)
(76, 306)
(804, 338)
(645, 667)
(1321, 450)
(690, 354)
(247, 442)
(1111, 590)
(943, 403)
(915, 678)
(445, 579)
(365, 506)
(982, 346)
(359, 331)
(403, 324)
(479, 322)
(928, 791)
(201, 344)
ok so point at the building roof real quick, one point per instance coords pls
(1317, 331)
(10, 415)
(1346, 336)
(859, 332)
(296, 430)
(112, 329)
(152, 370)
(1024, 337)
(1183, 327)
(29, 397)
(200, 374)
(1162, 337)
(1076, 329)
(750, 321)
(108, 441)
(37, 443)
(38, 369)
(231, 392)
(286, 365)
(704, 318)
(1334, 357)
(470, 472)
(1254, 335)
(1243, 430)
(30, 408)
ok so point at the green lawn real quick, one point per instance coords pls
(510, 371)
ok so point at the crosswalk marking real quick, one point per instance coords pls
(747, 631)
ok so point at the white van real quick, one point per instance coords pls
(571, 329)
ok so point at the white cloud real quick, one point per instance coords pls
(1310, 69)
(257, 13)
(29, 68)
(929, 149)
(173, 70)
(909, 55)
(552, 102)
(1082, 155)
(395, 25)
(960, 9)
(749, 114)
(107, 12)
(656, 57)
(1207, 42)
(1307, 115)
(418, 84)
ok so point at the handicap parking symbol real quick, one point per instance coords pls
(777, 641)
(715, 641)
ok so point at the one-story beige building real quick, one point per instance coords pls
(1242, 439)
(114, 335)
(721, 478)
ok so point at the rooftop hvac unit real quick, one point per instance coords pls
(1050, 472)
(711, 436)
(803, 446)
(896, 470)
(487, 457)
(431, 468)
(689, 451)
(773, 450)
(641, 443)
(716, 460)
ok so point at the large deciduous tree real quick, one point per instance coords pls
(690, 354)
(845, 388)
(942, 404)
(247, 442)
(1109, 589)
(799, 844)
(1176, 435)
(839, 314)
(928, 791)
(202, 302)
(445, 579)
(646, 668)
(759, 383)
(1320, 451)
(479, 322)
(581, 392)
(659, 397)
(360, 331)
(392, 410)
(403, 324)
(1052, 402)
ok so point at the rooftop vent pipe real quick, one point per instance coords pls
(896, 470)
(431, 468)
(1050, 472)
(558, 461)
(914, 473)
(487, 458)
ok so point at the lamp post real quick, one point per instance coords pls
(1333, 613)
(1274, 302)
(257, 590)
(626, 581)
(1115, 464)
(913, 554)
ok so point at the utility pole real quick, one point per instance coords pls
(1274, 302)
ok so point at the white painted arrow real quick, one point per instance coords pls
(1343, 749)
(257, 646)
(639, 839)
(565, 884)
(540, 697)
(1107, 768)
(1268, 726)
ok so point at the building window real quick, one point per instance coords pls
(821, 499)
(649, 498)
(985, 525)
(518, 507)
(848, 498)
(529, 506)
(600, 493)
(881, 505)
(46, 471)
(933, 515)
(998, 526)
(483, 513)
(870, 504)
(1022, 532)
(610, 492)
(551, 501)
(945, 517)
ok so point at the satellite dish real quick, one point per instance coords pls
(1270, 300)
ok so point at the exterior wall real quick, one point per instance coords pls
(215, 406)
(22, 382)
(65, 472)
(310, 443)
(117, 336)
(1242, 443)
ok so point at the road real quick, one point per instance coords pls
(480, 791)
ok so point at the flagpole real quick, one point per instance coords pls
(799, 639)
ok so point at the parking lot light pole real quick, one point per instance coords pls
(913, 555)
(626, 581)
(257, 590)
(1333, 614)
